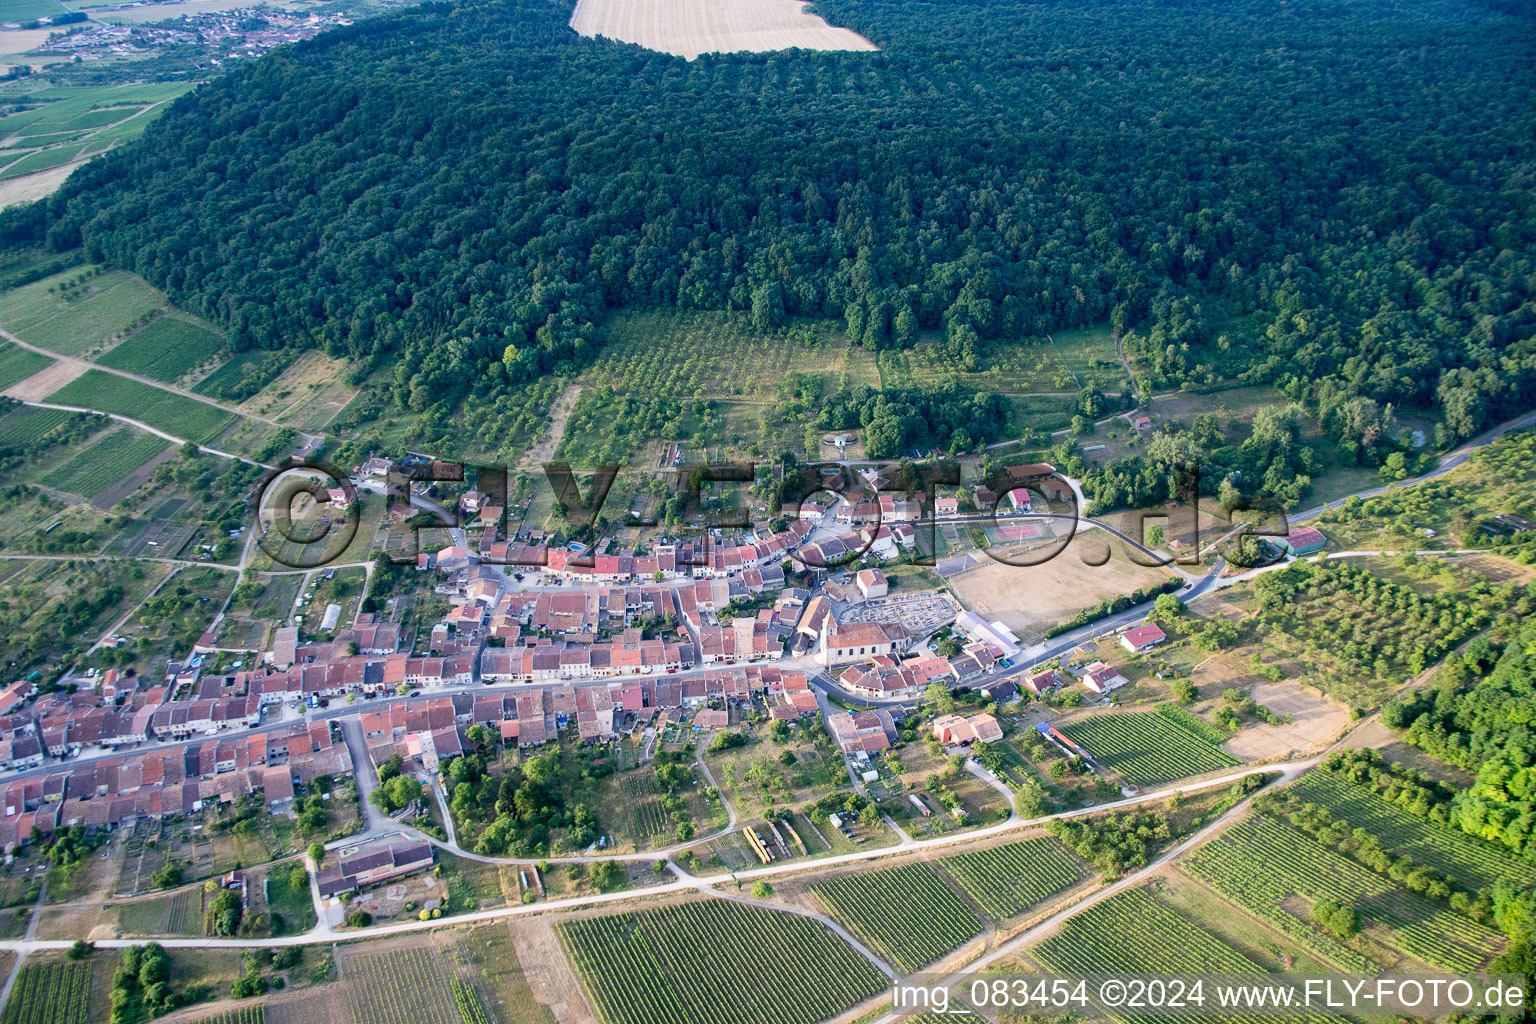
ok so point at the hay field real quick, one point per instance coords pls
(688, 28)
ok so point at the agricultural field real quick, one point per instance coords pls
(1291, 864)
(167, 349)
(1145, 748)
(1090, 353)
(78, 310)
(106, 462)
(688, 28)
(1024, 366)
(243, 374)
(25, 424)
(56, 992)
(1135, 932)
(175, 414)
(1445, 848)
(180, 913)
(1007, 880)
(17, 363)
(66, 123)
(244, 1015)
(51, 611)
(399, 986)
(907, 914)
(715, 962)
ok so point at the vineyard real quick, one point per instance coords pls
(468, 1001)
(25, 424)
(177, 914)
(1191, 722)
(647, 811)
(175, 414)
(245, 1015)
(402, 986)
(1444, 848)
(716, 962)
(106, 462)
(907, 913)
(1290, 863)
(1133, 932)
(164, 350)
(1146, 747)
(1007, 880)
(58, 992)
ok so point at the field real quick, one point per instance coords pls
(715, 962)
(17, 363)
(175, 414)
(1146, 747)
(243, 374)
(57, 992)
(165, 350)
(74, 312)
(1444, 848)
(1290, 863)
(401, 986)
(68, 123)
(106, 462)
(1134, 932)
(1090, 353)
(180, 913)
(1007, 880)
(1011, 367)
(245, 1015)
(1030, 599)
(688, 28)
(25, 424)
(907, 913)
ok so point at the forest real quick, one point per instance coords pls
(1334, 196)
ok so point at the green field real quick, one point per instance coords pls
(165, 350)
(165, 410)
(25, 424)
(75, 311)
(1007, 880)
(1445, 848)
(1091, 353)
(906, 914)
(1191, 722)
(245, 1015)
(1146, 747)
(66, 123)
(716, 962)
(1021, 366)
(403, 986)
(180, 913)
(1133, 932)
(57, 992)
(1262, 852)
(106, 462)
(16, 363)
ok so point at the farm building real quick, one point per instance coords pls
(371, 864)
(1303, 540)
(1142, 638)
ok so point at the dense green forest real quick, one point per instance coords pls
(1333, 195)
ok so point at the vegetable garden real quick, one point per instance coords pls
(1146, 747)
(1007, 880)
(907, 913)
(716, 962)
(58, 992)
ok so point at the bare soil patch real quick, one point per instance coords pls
(549, 973)
(1317, 721)
(47, 380)
(688, 28)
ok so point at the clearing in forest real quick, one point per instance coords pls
(688, 28)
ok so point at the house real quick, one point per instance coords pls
(946, 506)
(1001, 692)
(1040, 682)
(883, 680)
(952, 730)
(371, 864)
(1142, 638)
(1142, 423)
(1102, 678)
(872, 583)
(1030, 472)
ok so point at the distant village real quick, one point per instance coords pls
(243, 33)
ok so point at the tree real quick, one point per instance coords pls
(761, 890)
(81, 949)
(317, 853)
(1184, 691)
(937, 696)
(869, 816)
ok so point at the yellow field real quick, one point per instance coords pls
(688, 28)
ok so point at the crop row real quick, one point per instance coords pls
(1006, 880)
(1193, 723)
(1291, 860)
(26, 424)
(50, 993)
(164, 350)
(164, 410)
(906, 913)
(256, 1014)
(716, 962)
(1444, 848)
(1145, 747)
(1235, 874)
(106, 462)
(403, 986)
(1133, 932)
(468, 1001)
